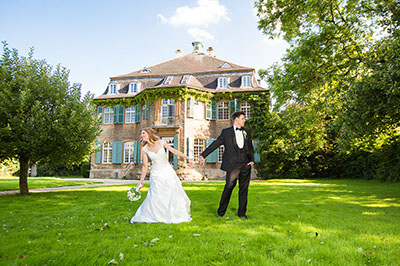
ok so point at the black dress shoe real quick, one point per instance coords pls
(244, 217)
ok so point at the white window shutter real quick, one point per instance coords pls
(190, 146)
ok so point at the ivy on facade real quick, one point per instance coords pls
(177, 93)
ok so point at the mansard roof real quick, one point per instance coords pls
(193, 63)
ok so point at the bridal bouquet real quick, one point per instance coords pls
(133, 194)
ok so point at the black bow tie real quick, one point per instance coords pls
(240, 128)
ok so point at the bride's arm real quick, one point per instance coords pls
(145, 166)
(178, 153)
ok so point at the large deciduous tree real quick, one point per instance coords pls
(42, 117)
(341, 71)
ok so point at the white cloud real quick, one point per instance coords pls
(205, 13)
(163, 19)
(200, 35)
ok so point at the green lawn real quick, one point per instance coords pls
(12, 183)
(291, 222)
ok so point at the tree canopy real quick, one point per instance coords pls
(340, 75)
(43, 119)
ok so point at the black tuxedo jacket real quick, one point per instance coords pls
(228, 139)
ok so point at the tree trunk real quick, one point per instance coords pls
(23, 175)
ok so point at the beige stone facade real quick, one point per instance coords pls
(185, 124)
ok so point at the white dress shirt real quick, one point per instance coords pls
(239, 137)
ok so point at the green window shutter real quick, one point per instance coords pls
(100, 114)
(118, 114)
(214, 110)
(98, 153)
(147, 110)
(115, 108)
(176, 148)
(117, 152)
(237, 105)
(190, 142)
(136, 150)
(231, 107)
(212, 157)
(257, 158)
(191, 107)
(121, 114)
(137, 113)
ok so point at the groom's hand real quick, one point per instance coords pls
(202, 161)
(251, 163)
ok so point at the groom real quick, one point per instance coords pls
(237, 160)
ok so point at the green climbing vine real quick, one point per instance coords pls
(176, 93)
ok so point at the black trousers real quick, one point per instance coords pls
(241, 172)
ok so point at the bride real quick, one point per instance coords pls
(166, 201)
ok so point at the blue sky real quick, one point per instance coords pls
(99, 39)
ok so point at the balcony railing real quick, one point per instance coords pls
(168, 121)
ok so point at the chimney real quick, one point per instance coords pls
(210, 51)
(197, 46)
(178, 53)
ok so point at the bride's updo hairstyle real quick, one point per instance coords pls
(152, 135)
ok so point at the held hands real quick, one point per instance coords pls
(202, 161)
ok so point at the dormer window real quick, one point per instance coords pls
(167, 80)
(134, 87)
(222, 83)
(226, 65)
(185, 79)
(144, 70)
(112, 89)
(246, 81)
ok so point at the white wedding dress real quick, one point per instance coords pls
(166, 201)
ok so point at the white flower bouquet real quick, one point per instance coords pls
(133, 194)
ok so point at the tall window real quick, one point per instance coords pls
(167, 80)
(198, 108)
(246, 81)
(133, 87)
(220, 153)
(167, 111)
(113, 89)
(198, 148)
(128, 152)
(130, 115)
(245, 107)
(108, 115)
(222, 82)
(223, 110)
(107, 152)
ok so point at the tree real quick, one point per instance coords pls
(42, 118)
(342, 69)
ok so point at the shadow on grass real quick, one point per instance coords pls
(289, 221)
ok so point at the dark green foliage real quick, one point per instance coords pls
(85, 169)
(43, 119)
(336, 91)
(58, 170)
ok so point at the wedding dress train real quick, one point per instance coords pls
(166, 201)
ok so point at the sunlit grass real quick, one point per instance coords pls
(12, 183)
(330, 222)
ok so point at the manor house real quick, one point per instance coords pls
(187, 100)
